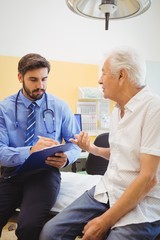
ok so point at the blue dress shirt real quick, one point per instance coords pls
(12, 133)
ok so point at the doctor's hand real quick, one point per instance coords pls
(42, 143)
(58, 161)
(82, 140)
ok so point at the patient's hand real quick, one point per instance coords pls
(95, 229)
(82, 140)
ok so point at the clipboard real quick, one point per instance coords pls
(37, 159)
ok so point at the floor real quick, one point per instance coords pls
(8, 235)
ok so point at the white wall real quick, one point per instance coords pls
(153, 76)
(50, 28)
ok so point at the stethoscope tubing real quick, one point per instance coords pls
(43, 113)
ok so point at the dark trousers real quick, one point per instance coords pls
(35, 194)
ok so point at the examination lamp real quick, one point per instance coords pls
(108, 9)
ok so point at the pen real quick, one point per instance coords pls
(39, 136)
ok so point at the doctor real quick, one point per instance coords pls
(34, 192)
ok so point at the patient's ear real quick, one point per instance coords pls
(122, 75)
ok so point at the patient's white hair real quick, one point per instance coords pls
(127, 58)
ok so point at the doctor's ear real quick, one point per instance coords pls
(20, 77)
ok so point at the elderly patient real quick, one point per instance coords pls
(125, 204)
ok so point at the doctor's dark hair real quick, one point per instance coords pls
(32, 61)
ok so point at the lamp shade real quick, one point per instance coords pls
(109, 9)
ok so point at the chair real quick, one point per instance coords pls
(97, 165)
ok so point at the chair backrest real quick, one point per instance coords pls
(94, 164)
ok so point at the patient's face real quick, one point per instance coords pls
(109, 82)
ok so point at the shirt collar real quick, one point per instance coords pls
(27, 101)
(132, 103)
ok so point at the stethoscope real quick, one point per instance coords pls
(44, 113)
